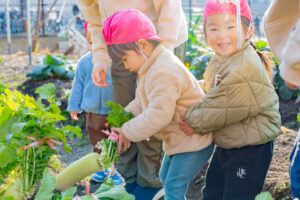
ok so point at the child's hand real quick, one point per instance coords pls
(291, 86)
(122, 139)
(185, 127)
(74, 115)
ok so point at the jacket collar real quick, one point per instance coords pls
(149, 62)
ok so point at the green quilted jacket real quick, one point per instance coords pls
(240, 108)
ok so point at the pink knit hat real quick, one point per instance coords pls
(126, 26)
(226, 7)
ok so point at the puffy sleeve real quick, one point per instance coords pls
(233, 100)
(91, 13)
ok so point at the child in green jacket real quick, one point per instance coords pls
(240, 108)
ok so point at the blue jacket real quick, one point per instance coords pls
(85, 95)
(295, 168)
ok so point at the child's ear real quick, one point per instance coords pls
(250, 32)
(143, 44)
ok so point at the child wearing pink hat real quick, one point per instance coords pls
(173, 29)
(240, 107)
(165, 90)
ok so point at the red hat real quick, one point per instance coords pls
(226, 7)
(85, 27)
(126, 26)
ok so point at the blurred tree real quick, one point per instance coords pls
(38, 24)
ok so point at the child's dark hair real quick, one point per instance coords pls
(117, 51)
(264, 57)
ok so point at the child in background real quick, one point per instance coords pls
(85, 96)
(165, 90)
(241, 107)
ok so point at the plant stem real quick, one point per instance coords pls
(33, 168)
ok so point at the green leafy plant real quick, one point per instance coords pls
(1, 60)
(105, 192)
(283, 91)
(2, 87)
(264, 196)
(198, 54)
(29, 131)
(116, 118)
(52, 65)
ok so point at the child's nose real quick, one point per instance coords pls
(221, 34)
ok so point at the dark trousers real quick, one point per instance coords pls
(239, 173)
(95, 123)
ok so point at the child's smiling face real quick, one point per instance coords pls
(222, 33)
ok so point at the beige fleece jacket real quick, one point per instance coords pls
(165, 90)
(282, 29)
(166, 15)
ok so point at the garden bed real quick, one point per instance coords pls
(13, 72)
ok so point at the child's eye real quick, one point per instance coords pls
(213, 29)
(124, 60)
(231, 27)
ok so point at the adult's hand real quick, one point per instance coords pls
(291, 86)
(99, 77)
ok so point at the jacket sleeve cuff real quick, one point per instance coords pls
(73, 108)
(102, 63)
(290, 74)
(129, 134)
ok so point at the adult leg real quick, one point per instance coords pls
(295, 168)
(127, 164)
(183, 168)
(245, 170)
(124, 83)
(149, 158)
(214, 182)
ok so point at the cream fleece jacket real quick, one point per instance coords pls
(166, 15)
(282, 29)
(165, 90)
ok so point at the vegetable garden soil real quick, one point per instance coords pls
(14, 69)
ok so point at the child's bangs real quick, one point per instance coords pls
(117, 51)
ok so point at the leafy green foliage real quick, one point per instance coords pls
(104, 192)
(198, 54)
(116, 118)
(264, 196)
(1, 60)
(283, 91)
(2, 87)
(56, 65)
(47, 187)
(28, 133)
